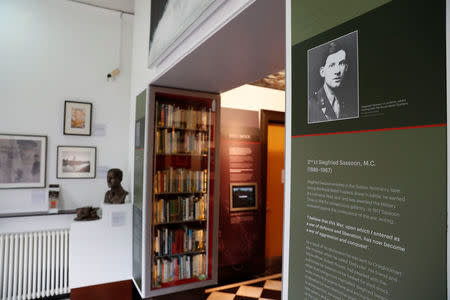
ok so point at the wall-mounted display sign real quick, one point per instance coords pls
(243, 196)
(368, 207)
(138, 187)
(242, 219)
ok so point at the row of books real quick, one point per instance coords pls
(178, 268)
(176, 142)
(179, 209)
(180, 181)
(178, 241)
(169, 115)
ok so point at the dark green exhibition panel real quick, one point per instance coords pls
(401, 57)
(314, 17)
(368, 201)
(138, 187)
(401, 192)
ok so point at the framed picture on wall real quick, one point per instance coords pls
(76, 162)
(77, 118)
(243, 196)
(23, 161)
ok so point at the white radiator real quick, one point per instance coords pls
(34, 264)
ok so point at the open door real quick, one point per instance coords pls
(180, 211)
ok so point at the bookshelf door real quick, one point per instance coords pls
(184, 214)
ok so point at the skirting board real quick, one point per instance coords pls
(120, 290)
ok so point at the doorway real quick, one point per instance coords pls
(223, 62)
(272, 143)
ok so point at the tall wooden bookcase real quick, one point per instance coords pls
(175, 227)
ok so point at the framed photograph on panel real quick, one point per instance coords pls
(76, 162)
(77, 118)
(243, 196)
(23, 161)
(333, 82)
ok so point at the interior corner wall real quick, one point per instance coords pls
(54, 51)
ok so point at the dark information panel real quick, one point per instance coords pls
(241, 238)
(368, 215)
(369, 157)
(138, 188)
(399, 67)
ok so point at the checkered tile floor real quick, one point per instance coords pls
(267, 288)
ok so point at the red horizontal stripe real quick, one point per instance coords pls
(371, 130)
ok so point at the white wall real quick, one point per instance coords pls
(100, 250)
(56, 50)
(251, 97)
(35, 223)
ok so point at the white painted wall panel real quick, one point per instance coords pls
(52, 51)
(100, 250)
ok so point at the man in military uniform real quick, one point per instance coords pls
(328, 102)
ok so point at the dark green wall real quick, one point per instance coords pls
(401, 57)
(314, 17)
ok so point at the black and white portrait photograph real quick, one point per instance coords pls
(333, 80)
(22, 161)
(76, 162)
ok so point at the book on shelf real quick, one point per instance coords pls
(179, 209)
(181, 142)
(180, 201)
(169, 242)
(180, 181)
(179, 268)
(176, 254)
(174, 116)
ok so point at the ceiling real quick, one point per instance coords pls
(126, 6)
(273, 81)
(248, 48)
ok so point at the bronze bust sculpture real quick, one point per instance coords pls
(116, 194)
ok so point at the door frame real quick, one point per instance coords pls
(266, 117)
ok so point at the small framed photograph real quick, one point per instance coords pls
(77, 118)
(333, 82)
(23, 161)
(243, 196)
(76, 162)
